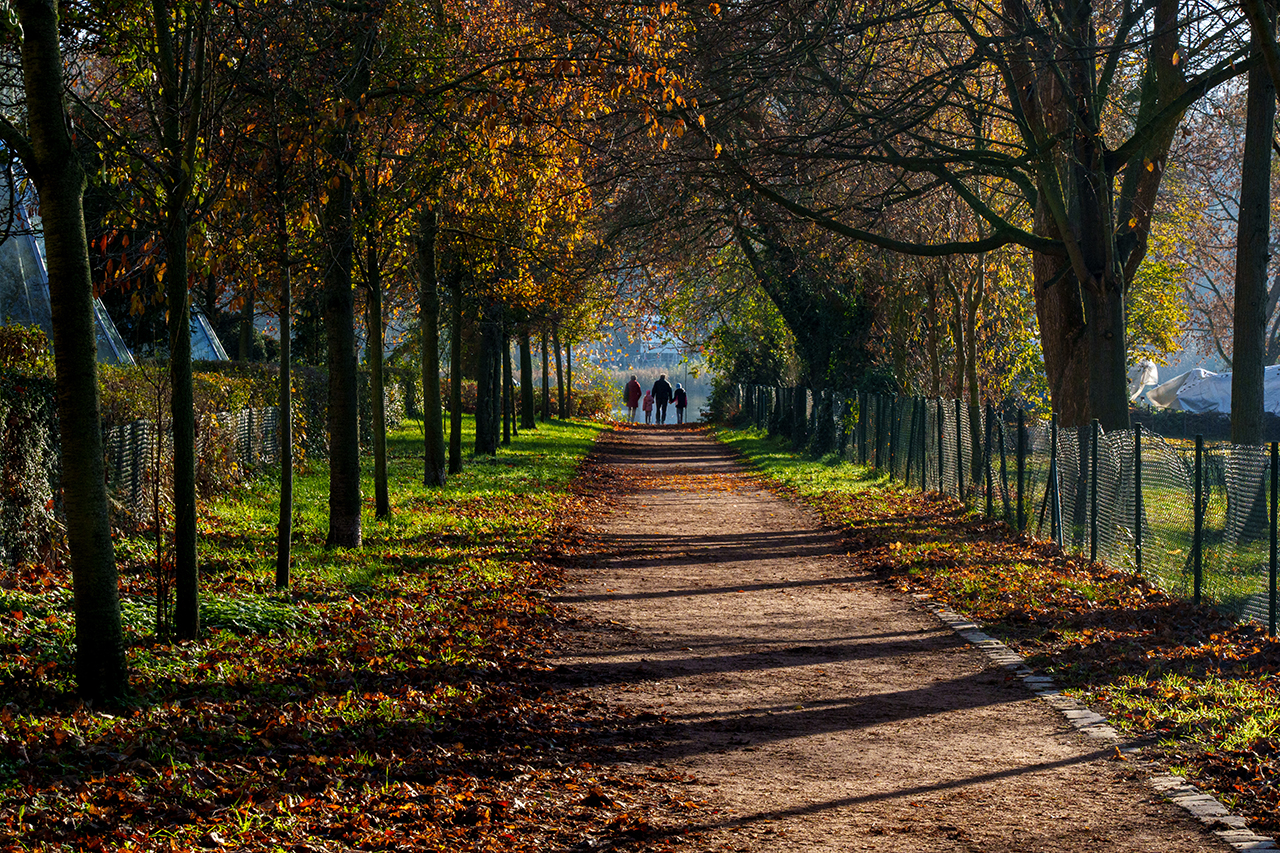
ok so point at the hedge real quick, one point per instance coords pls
(29, 530)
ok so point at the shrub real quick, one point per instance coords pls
(136, 397)
(134, 393)
(595, 401)
(468, 395)
(725, 407)
(25, 349)
(408, 382)
(392, 401)
(28, 446)
(28, 466)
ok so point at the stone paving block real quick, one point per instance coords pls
(1101, 732)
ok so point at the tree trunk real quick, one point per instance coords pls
(555, 339)
(1080, 293)
(339, 326)
(508, 403)
(338, 301)
(959, 350)
(934, 339)
(377, 381)
(284, 527)
(180, 78)
(1252, 254)
(546, 379)
(433, 450)
(489, 384)
(455, 375)
(527, 417)
(245, 352)
(1083, 338)
(55, 167)
(186, 614)
(568, 379)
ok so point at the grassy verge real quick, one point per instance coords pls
(1202, 690)
(392, 698)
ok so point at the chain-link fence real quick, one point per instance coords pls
(1197, 519)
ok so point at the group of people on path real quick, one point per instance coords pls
(659, 396)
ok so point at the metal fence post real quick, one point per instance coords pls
(886, 444)
(1055, 499)
(911, 441)
(1022, 469)
(959, 454)
(135, 465)
(1004, 468)
(1137, 498)
(986, 459)
(882, 411)
(1093, 491)
(942, 487)
(1271, 574)
(1197, 536)
(924, 443)
(868, 423)
(860, 429)
(893, 413)
(869, 435)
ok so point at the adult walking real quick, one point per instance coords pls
(662, 394)
(632, 395)
(682, 400)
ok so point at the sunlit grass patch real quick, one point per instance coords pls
(1210, 712)
(774, 457)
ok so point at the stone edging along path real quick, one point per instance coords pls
(1205, 808)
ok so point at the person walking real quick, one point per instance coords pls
(661, 397)
(648, 406)
(632, 395)
(682, 400)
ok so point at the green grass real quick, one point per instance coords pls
(1210, 712)
(774, 457)
(474, 506)
(476, 529)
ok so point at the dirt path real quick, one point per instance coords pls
(817, 709)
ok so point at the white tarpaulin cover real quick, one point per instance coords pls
(1199, 390)
(1142, 376)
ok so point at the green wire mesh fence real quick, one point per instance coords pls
(1197, 519)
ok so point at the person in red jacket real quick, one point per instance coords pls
(681, 401)
(632, 395)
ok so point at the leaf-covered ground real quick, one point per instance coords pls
(1203, 691)
(395, 698)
